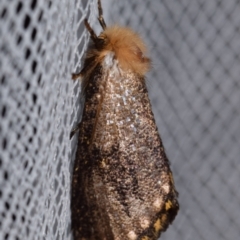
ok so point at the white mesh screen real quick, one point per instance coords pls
(194, 87)
(39, 106)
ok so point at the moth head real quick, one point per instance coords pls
(128, 47)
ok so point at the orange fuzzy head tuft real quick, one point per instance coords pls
(128, 47)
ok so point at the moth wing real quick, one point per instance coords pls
(132, 180)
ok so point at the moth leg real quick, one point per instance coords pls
(76, 75)
(100, 16)
(75, 129)
(95, 40)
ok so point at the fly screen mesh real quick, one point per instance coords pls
(194, 86)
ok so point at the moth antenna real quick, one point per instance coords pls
(92, 33)
(100, 15)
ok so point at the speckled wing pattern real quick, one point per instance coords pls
(122, 184)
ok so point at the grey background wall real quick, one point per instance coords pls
(194, 88)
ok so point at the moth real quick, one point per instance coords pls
(122, 185)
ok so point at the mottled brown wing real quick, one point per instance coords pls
(122, 183)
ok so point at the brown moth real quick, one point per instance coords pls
(122, 186)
